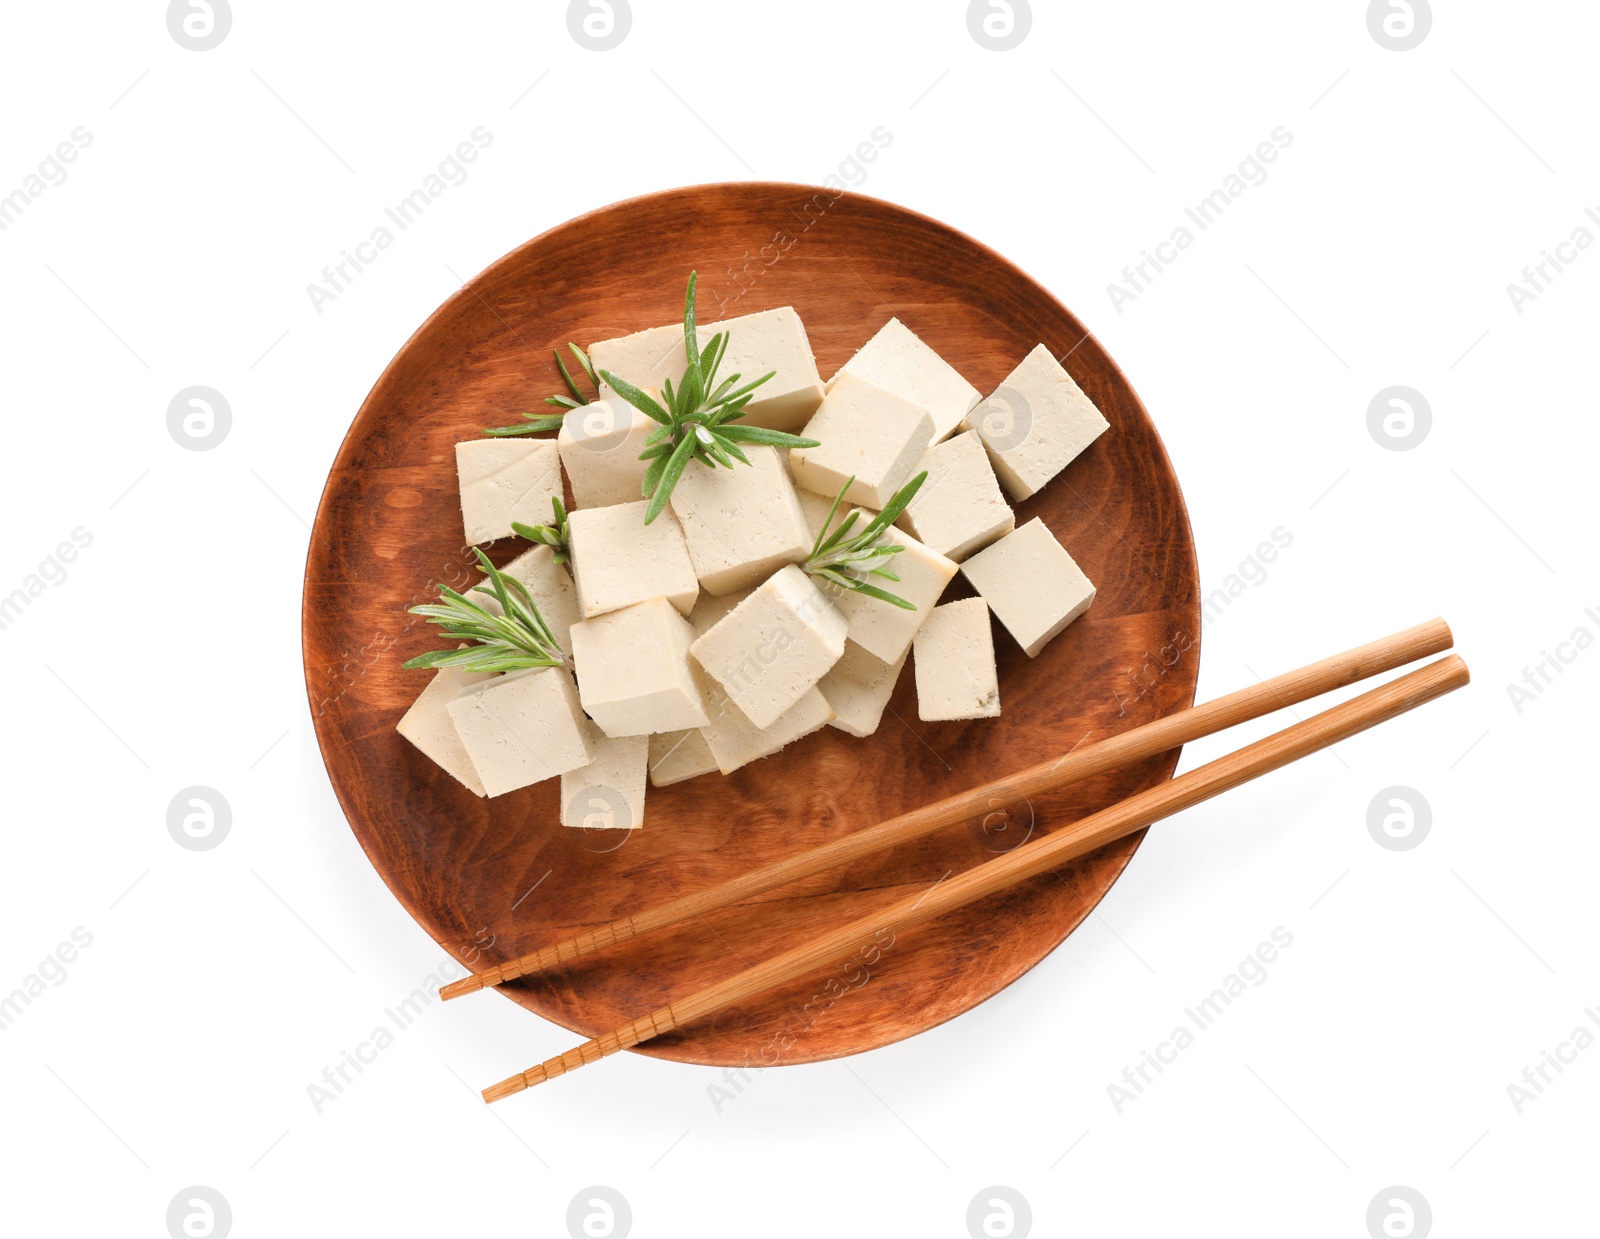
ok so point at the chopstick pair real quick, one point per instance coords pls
(1028, 860)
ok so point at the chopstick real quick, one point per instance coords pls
(1120, 750)
(1029, 860)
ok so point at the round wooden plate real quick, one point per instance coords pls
(491, 879)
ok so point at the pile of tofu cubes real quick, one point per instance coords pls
(698, 644)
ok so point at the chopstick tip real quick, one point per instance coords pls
(466, 985)
(506, 1088)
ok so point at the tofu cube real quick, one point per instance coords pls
(676, 756)
(867, 433)
(521, 728)
(735, 741)
(505, 480)
(897, 361)
(956, 675)
(608, 793)
(1035, 424)
(858, 688)
(552, 589)
(1031, 583)
(620, 561)
(881, 628)
(428, 725)
(634, 672)
(741, 524)
(773, 647)
(731, 740)
(600, 445)
(959, 509)
(771, 340)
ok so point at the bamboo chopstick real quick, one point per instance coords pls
(1130, 746)
(1029, 860)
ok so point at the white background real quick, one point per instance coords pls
(178, 1049)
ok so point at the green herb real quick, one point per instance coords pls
(696, 421)
(538, 423)
(510, 641)
(553, 535)
(848, 561)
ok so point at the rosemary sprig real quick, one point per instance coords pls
(696, 420)
(538, 423)
(515, 639)
(847, 561)
(553, 535)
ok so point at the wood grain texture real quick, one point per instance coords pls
(869, 937)
(388, 531)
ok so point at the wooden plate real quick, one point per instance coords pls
(490, 879)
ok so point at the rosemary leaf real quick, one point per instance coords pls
(658, 466)
(691, 345)
(760, 434)
(730, 447)
(676, 464)
(637, 398)
(691, 392)
(588, 367)
(882, 595)
(566, 377)
(711, 358)
(536, 423)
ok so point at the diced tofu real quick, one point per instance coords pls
(600, 445)
(741, 524)
(771, 340)
(608, 793)
(956, 675)
(867, 433)
(774, 646)
(897, 361)
(428, 725)
(735, 741)
(959, 509)
(619, 560)
(1035, 424)
(552, 589)
(1031, 583)
(879, 627)
(505, 480)
(676, 756)
(634, 672)
(521, 728)
(858, 687)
